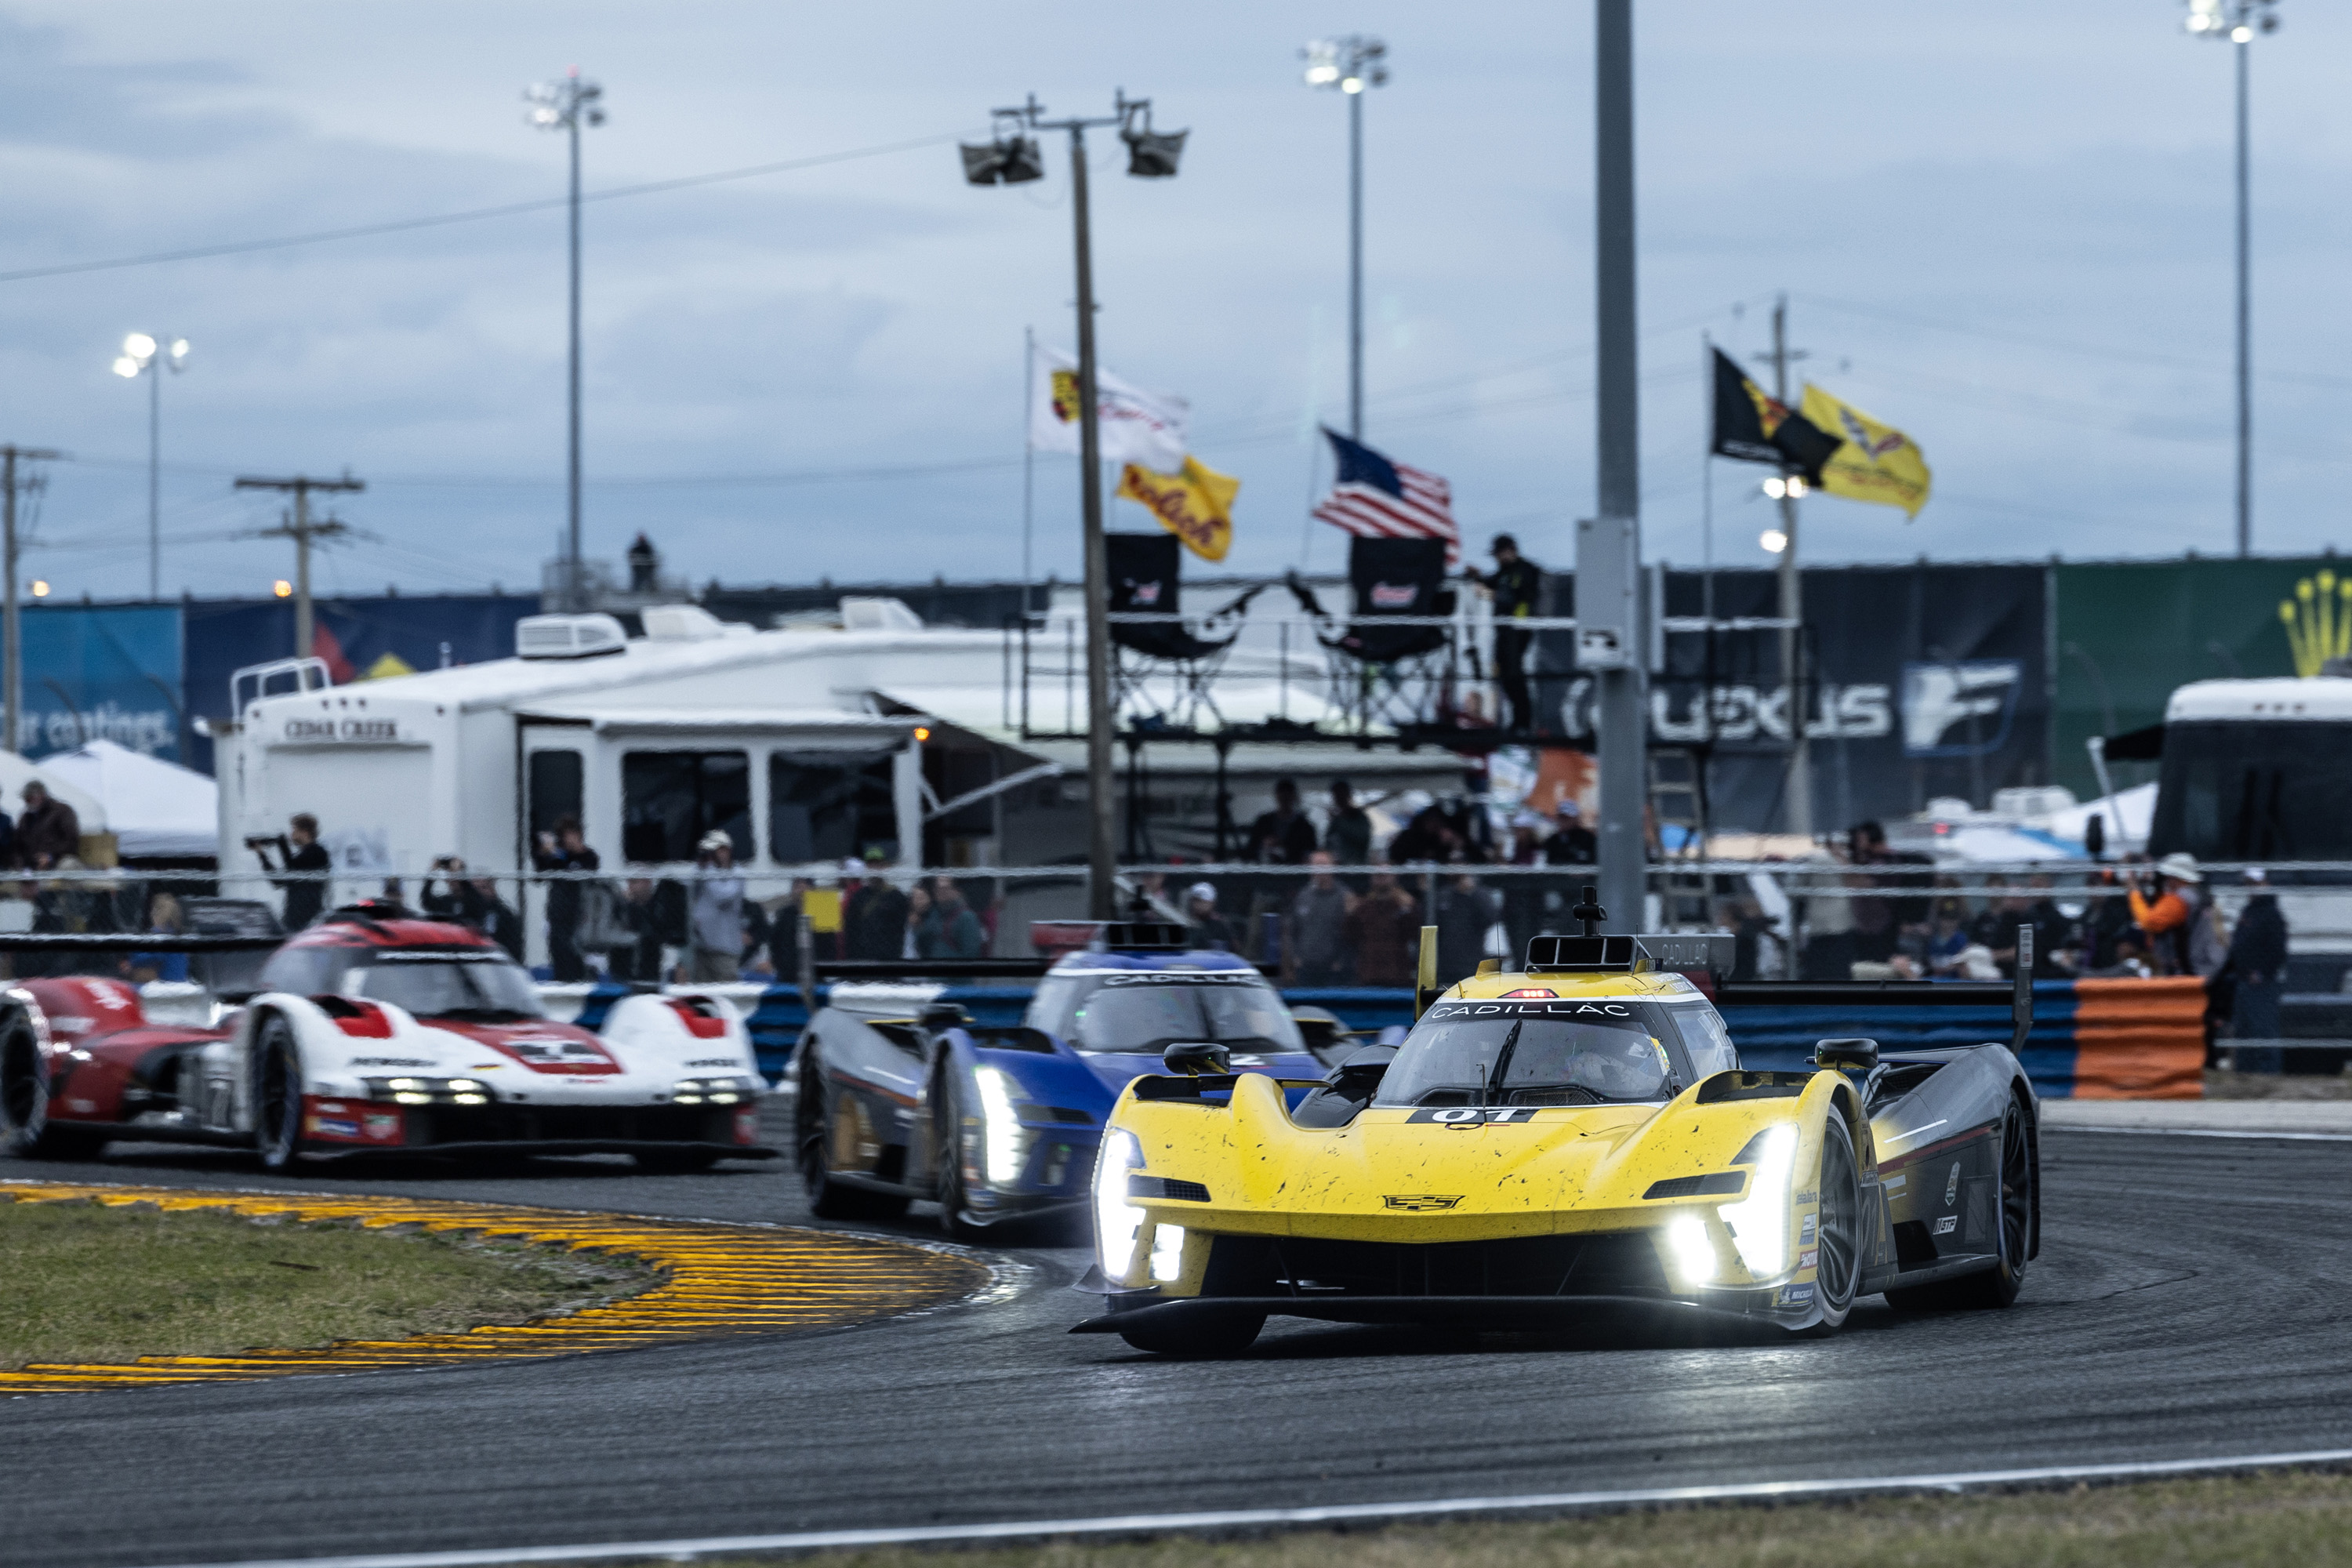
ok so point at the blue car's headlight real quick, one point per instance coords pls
(1003, 1142)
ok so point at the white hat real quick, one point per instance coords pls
(2254, 876)
(1204, 892)
(716, 838)
(2180, 865)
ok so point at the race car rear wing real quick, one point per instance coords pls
(1705, 958)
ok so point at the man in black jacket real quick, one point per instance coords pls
(1516, 583)
(307, 895)
(565, 849)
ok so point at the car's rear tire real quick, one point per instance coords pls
(1197, 1338)
(26, 1130)
(828, 1197)
(1837, 1273)
(277, 1095)
(1999, 1285)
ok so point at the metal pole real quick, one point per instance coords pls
(1028, 457)
(155, 469)
(573, 597)
(2245, 331)
(13, 630)
(1622, 727)
(303, 636)
(1355, 266)
(1102, 847)
(1792, 609)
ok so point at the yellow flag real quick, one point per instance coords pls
(1874, 462)
(1196, 504)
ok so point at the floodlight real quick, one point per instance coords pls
(1352, 84)
(126, 367)
(40, 588)
(1014, 161)
(1152, 154)
(179, 348)
(138, 346)
(1773, 541)
(1776, 487)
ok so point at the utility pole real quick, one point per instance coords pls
(1610, 637)
(298, 528)
(12, 632)
(1792, 604)
(1011, 158)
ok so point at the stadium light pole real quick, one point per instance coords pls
(145, 354)
(1349, 66)
(1010, 158)
(563, 105)
(2236, 22)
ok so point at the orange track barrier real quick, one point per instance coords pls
(2139, 1039)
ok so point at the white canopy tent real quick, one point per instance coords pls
(156, 810)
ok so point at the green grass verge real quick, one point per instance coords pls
(88, 1283)
(2289, 1518)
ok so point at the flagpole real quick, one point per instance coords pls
(1028, 459)
(1800, 792)
(1707, 477)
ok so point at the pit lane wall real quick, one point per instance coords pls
(2092, 1039)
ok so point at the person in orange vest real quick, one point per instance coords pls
(2181, 926)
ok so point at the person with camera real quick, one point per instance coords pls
(307, 860)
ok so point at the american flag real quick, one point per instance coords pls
(1378, 499)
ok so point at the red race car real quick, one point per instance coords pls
(375, 1032)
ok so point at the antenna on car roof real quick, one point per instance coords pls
(1590, 911)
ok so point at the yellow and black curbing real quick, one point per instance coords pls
(721, 1281)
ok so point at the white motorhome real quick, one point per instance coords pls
(785, 740)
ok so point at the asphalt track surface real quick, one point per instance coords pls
(2191, 1302)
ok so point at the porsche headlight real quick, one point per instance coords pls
(1003, 1142)
(732, 1089)
(1118, 1222)
(1759, 1222)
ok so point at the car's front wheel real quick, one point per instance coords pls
(26, 1130)
(277, 1095)
(947, 1142)
(1838, 1271)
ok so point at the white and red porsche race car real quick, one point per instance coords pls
(377, 1033)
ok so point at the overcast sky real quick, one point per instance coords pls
(2004, 228)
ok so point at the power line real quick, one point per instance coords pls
(473, 214)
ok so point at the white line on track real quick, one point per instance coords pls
(2208, 1132)
(1281, 1518)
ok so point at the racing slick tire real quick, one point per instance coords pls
(1199, 1339)
(1838, 1271)
(828, 1198)
(1999, 1285)
(277, 1095)
(947, 1125)
(26, 1130)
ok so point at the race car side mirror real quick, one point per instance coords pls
(1359, 1078)
(1194, 1057)
(1859, 1055)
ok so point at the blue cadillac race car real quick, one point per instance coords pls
(900, 1098)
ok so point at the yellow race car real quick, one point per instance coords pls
(1574, 1135)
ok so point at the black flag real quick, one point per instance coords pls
(1755, 429)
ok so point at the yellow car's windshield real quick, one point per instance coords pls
(1559, 1052)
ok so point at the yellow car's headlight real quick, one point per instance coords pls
(1759, 1222)
(1117, 1222)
